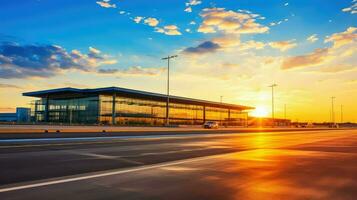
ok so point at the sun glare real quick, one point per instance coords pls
(260, 111)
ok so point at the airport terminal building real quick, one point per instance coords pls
(121, 106)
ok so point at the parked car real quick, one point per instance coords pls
(210, 124)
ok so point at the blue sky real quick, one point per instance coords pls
(84, 23)
(235, 47)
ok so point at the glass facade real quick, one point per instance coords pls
(216, 114)
(185, 114)
(74, 110)
(134, 111)
(102, 109)
(131, 111)
(237, 118)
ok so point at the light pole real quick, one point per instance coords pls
(332, 111)
(272, 102)
(168, 87)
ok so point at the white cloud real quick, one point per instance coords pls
(94, 50)
(283, 45)
(151, 21)
(312, 59)
(343, 38)
(224, 44)
(188, 9)
(122, 12)
(190, 4)
(133, 71)
(106, 4)
(278, 22)
(221, 20)
(252, 44)
(193, 3)
(337, 68)
(138, 19)
(341, 53)
(286, 4)
(51, 60)
(352, 9)
(192, 23)
(230, 25)
(168, 30)
(313, 38)
(11, 86)
(232, 42)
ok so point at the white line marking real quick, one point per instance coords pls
(128, 137)
(87, 139)
(94, 138)
(109, 173)
(163, 136)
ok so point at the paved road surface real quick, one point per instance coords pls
(279, 165)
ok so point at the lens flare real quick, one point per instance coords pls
(260, 111)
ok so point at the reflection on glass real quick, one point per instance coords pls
(128, 111)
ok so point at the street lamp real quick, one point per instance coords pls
(168, 87)
(332, 111)
(272, 102)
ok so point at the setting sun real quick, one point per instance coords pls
(260, 111)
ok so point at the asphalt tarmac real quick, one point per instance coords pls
(269, 165)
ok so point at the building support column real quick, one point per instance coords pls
(47, 109)
(229, 116)
(35, 114)
(204, 114)
(113, 109)
(167, 120)
(246, 119)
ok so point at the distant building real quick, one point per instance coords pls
(264, 121)
(114, 105)
(8, 117)
(21, 115)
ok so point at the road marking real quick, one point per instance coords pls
(171, 152)
(110, 173)
(157, 137)
(122, 138)
(110, 137)
(123, 171)
(125, 138)
(86, 138)
(59, 144)
(101, 156)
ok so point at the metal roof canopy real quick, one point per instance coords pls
(130, 93)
